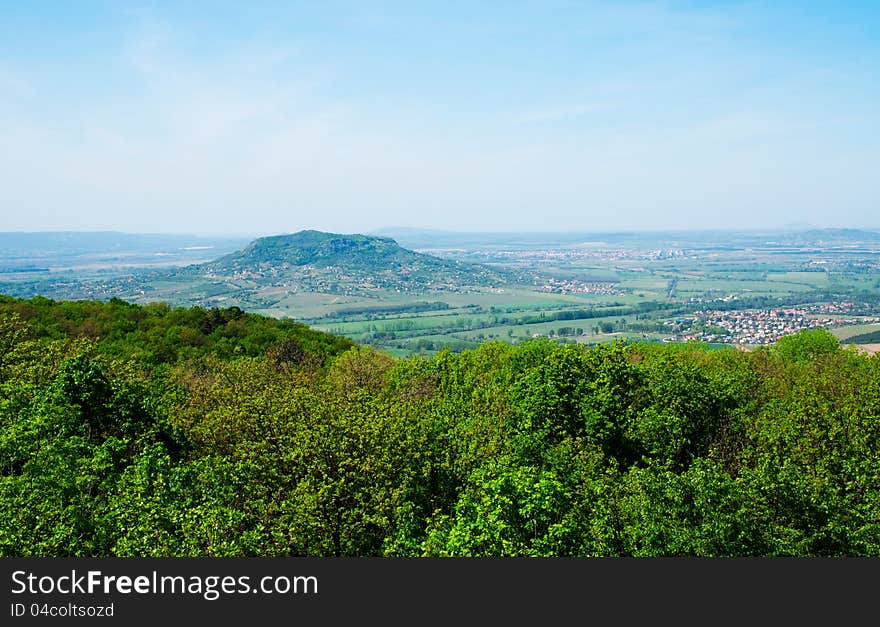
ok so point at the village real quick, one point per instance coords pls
(572, 286)
(763, 326)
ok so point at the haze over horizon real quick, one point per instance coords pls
(348, 117)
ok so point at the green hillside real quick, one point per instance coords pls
(316, 247)
(318, 261)
(157, 333)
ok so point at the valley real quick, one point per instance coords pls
(410, 291)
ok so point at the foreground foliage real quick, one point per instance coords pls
(149, 431)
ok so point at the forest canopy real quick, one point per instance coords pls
(130, 430)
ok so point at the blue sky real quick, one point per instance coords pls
(255, 118)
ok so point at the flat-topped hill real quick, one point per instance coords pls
(319, 248)
(353, 261)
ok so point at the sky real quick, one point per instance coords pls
(261, 118)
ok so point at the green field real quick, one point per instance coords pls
(844, 333)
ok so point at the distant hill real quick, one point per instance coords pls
(65, 245)
(262, 275)
(838, 236)
(106, 253)
(319, 261)
(317, 247)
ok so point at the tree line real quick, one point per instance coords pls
(130, 430)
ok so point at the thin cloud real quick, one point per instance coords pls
(554, 114)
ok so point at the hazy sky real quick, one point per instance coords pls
(257, 118)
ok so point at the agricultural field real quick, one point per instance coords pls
(850, 331)
(651, 289)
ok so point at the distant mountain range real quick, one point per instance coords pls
(429, 240)
(76, 245)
